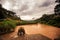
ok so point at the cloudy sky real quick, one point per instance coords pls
(29, 9)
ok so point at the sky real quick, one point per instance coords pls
(29, 9)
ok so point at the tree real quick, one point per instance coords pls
(57, 8)
(58, 1)
(2, 12)
(10, 13)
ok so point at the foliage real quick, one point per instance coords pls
(52, 19)
(27, 22)
(58, 1)
(7, 26)
(8, 20)
(57, 8)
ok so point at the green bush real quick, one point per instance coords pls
(27, 22)
(7, 26)
(9, 23)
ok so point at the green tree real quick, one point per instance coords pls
(57, 8)
(58, 1)
(2, 12)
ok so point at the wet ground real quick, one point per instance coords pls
(26, 37)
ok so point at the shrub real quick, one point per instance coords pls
(7, 26)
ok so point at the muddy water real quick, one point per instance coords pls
(33, 29)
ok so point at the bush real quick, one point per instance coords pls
(9, 23)
(7, 26)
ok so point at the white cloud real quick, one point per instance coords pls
(32, 8)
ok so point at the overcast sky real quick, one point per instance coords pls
(29, 9)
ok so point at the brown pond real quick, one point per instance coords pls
(34, 32)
